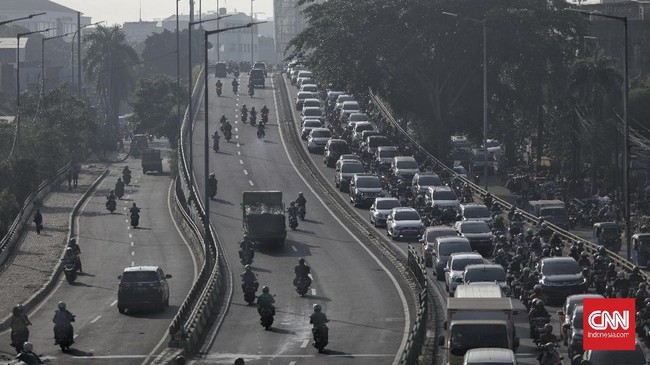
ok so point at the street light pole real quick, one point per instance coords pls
(43, 59)
(206, 140)
(18, 19)
(485, 103)
(178, 70)
(252, 58)
(626, 130)
(14, 150)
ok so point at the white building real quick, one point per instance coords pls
(289, 22)
(61, 19)
(139, 31)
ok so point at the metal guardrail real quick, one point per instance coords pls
(14, 232)
(567, 237)
(418, 332)
(187, 327)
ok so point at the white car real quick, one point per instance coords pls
(312, 113)
(381, 208)
(311, 103)
(442, 197)
(476, 212)
(404, 167)
(318, 137)
(308, 126)
(404, 222)
(347, 108)
(456, 265)
(358, 117)
(385, 154)
(309, 87)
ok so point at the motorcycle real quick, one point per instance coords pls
(62, 337)
(119, 191)
(135, 219)
(302, 286)
(246, 257)
(70, 272)
(215, 144)
(537, 326)
(244, 117)
(249, 292)
(265, 118)
(227, 134)
(253, 120)
(111, 206)
(251, 91)
(260, 133)
(235, 89)
(293, 222)
(126, 177)
(320, 338)
(550, 355)
(266, 317)
(218, 90)
(301, 212)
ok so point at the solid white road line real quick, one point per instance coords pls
(250, 182)
(245, 172)
(304, 344)
(114, 302)
(294, 248)
(241, 162)
(96, 319)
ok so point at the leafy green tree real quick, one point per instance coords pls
(154, 107)
(110, 62)
(596, 86)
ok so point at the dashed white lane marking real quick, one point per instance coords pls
(294, 248)
(313, 292)
(292, 363)
(304, 344)
(245, 172)
(130, 235)
(126, 220)
(96, 319)
(132, 263)
(238, 145)
(241, 162)
(132, 253)
(114, 302)
(237, 136)
(132, 244)
(250, 182)
(236, 129)
(239, 153)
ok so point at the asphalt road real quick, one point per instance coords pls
(108, 245)
(367, 307)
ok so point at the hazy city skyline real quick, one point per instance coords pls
(120, 11)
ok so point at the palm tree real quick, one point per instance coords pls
(595, 83)
(109, 63)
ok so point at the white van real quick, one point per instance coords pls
(490, 356)
(479, 290)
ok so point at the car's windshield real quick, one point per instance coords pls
(635, 357)
(609, 233)
(321, 134)
(444, 195)
(358, 117)
(304, 95)
(312, 112)
(474, 227)
(368, 182)
(447, 248)
(379, 141)
(339, 147)
(313, 124)
(341, 99)
(552, 212)
(387, 154)
(562, 267)
(431, 235)
(139, 277)
(493, 144)
(304, 74)
(476, 212)
(577, 319)
(408, 215)
(460, 170)
(352, 168)
(388, 204)
(460, 264)
(429, 181)
(363, 127)
(485, 274)
(467, 337)
(350, 106)
(407, 164)
(309, 87)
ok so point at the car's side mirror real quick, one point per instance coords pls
(459, 280)
(119, 277)
(168, 276)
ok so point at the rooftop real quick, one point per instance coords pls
(35, 5)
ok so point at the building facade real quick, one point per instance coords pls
(60, 19)
(289, 22)
(139, 31)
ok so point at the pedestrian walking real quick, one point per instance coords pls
(75, 173)
(38, 219)
(19, 330)
(70, 178)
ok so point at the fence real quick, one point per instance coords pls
(418, 332)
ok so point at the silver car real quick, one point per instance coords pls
(381, 208)
(404, 222)
(317, 139)
(456, 264)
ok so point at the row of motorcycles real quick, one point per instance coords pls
(235, 87)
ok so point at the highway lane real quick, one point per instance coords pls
(367, 311)
(108, 245)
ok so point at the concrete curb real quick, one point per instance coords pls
(53, 279)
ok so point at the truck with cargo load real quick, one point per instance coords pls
(264, 221)
(552, 211)
(478, 322)
(151, 160)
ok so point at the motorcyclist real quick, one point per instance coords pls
(75, 247)
(218, 86)
(248, 277)
(253, 113)
(502, 243)
(611, 274)
(234, 83)
(487, 200)
(244, 110)
(539, 310)
(501, 258)
(19, 330)
(251, 86)
(641, 295)
(536, 245)
(245, 246)
(266, 300)
(223, 119)
(62, 320)
(548, 335)
(635, 276)
(27, 355)
(212, 183)
(302, 271)
(264, 112)
(584, 260)
(111, 196)
(260, 129)
(126, 170)
(499, 225)
(119, 185)
(622, 285)
(319, 321)
(511, 212)
(134, 210)
(529, 236)
(292, 210)
(525, 273)
(545, 232)
(603, 256)
(301, 201)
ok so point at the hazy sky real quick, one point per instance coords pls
(119, 11)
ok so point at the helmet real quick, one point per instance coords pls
(252, 108)
(529, 232)
(212, 174)
(548, 328)
(263, 106)
(536, 239)
(642, 286)
(134, 205)
(635, 269)
(28, 347)
(503, 238)
(584, 254)
(544, 226)
(119, 179)
(540, 304)
(646, 302)
(61, 305)
(621, 275)
(69, 249)
(292, 204)
(644, 228)
(300, 193)
(243, 105)
(537, 288)
(265, 289)
(555, 234)
(546, 252)
(72, 241)
(317, 308)
(112, 192)
(247, 267)
(602, 250)
(501, 252)
(520, 236)
(527, 270)
(611, 266)
(301, 261)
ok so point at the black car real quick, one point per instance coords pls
(561, 277)
(333, 150)
(143, 287)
